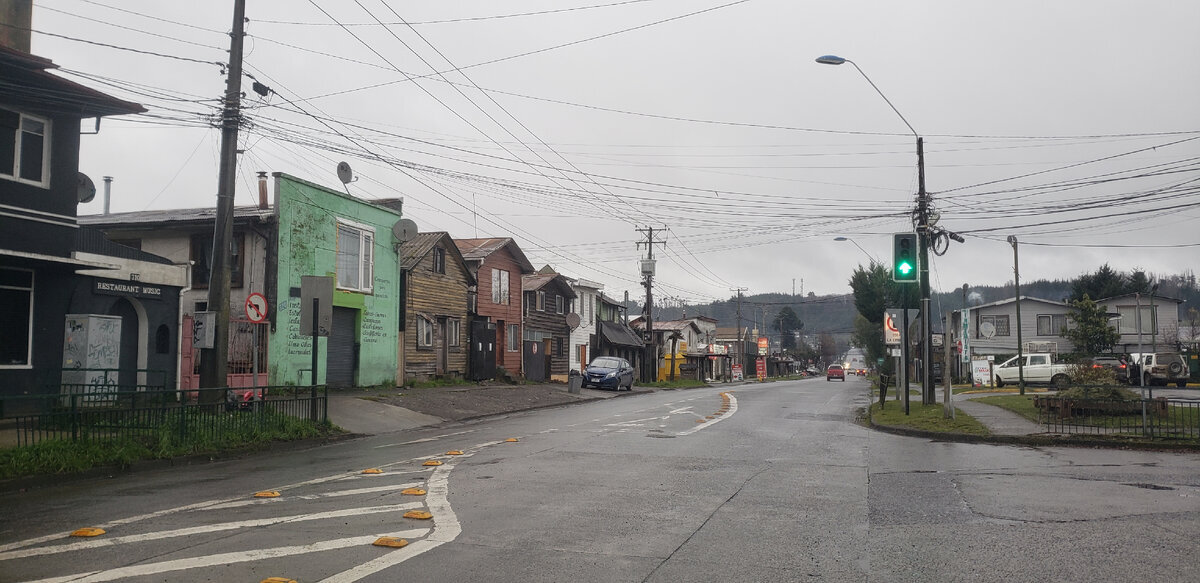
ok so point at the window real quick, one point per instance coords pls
(560, 301)
(16, 317)
(24, 148)
(202, 258)
(1129, 321)
(355, 257)
(1000, 322)
(1051, 324)
(424, 332)
(439, 260)
(541, 301)
(514, 338)
(499, 286)
(453, 333)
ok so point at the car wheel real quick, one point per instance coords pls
(999, 382)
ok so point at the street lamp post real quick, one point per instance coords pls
(922, 234)
(865, 252)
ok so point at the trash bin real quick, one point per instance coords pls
(574, 382)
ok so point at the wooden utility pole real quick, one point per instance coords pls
(215, 361)
(650, 356)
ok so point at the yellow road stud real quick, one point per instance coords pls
(89, 531)
(278, 580)
(266, 494)
(701, 420)
(432, 463)
(372, 471)
(512, 440)
(454, 452)
(390, 541)
(418, 514)
(412, 492)
(711, 417)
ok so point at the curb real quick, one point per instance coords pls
(1035, 440)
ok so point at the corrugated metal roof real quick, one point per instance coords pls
(171, 216)
(413, 250)
(28, 83)
(541, 280)
(480, 249)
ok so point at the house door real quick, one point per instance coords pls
(483, 350)
(342, 355)
(439, 341)
(535, 361)
(501, 343)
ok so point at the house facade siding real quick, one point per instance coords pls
(504, 315)
(437, 300)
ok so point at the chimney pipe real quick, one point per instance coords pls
(107, 192)
(262, 190)
(18, 14)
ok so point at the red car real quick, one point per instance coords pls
(835, 371)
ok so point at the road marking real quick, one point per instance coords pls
(446, 529)
(634, 422)
(732, 409)
(208, 528)
(339, 493)
(427, 439)
(682, 410)
(214, 560)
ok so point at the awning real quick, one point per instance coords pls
(617, 334)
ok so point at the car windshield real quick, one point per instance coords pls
(607, 363)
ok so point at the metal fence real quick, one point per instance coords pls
(1157, 418)
(197, 416)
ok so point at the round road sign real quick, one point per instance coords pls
(256, 308)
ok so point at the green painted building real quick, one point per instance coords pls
(324, 232)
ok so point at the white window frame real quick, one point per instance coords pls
(513, 338)
(29, 333)
(1128, 323)
(500, 294)
(365, 260)
(424, 332)
(995, 320)
(559, 301)
(1061, 320)
(46, 135)
(453, 333)
(540, 304)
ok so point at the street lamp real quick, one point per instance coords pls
(872, 257)
(922, 233)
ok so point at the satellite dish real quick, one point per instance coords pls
(573, 320)
(404, 229)
(345, 173)
(987, 329)
(86, 190)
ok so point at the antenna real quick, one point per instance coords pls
(346, 175)
(86, 190)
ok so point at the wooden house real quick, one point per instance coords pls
(435, 315)
(497, 264)
(547, 335)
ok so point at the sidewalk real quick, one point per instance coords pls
(998, 421)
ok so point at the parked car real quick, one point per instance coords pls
(835, 371)
(1113, 363)
(608, 372)
(1159, 369)
(1039, 369)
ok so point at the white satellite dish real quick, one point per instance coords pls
(86, 190)
(987, 329)
(345, 173)
(404, 229)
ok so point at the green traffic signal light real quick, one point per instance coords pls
(904, 257)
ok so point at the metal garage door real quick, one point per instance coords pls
(343, 354)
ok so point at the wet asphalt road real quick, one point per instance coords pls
(777, 484)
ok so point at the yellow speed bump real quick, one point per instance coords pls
(432, 463)
(418, 514)
(412, 492)
(512, 440)
(711, 417)
(390, 541)
(88, 532)
(701, 420)
(266, 494)
(278, 580)
(372, 471)
(454, 452)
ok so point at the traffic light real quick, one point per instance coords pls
(904, 257)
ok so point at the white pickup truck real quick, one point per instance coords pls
(1040, 369)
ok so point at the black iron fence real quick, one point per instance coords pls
(1158, 418)
(195, 416)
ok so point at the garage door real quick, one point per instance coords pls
(342, 357)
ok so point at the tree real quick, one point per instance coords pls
(869, 337)
(1091, 332)
(829, 349)
(787, 323)
(1106, 282)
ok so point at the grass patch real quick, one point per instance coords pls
(204, 433)
(1021, 405)
(925, 417)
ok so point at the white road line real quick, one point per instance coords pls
(339, 493)
(446, 528)
(214, 560)
(208, 528)
(427, 439)
(633, 422)
(711, 422)
(682, 410)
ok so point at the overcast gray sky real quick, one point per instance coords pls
(567, 124)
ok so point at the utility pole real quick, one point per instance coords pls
(923, 263)
(741, 337)
(650, 356)
(215, 361)
(1012, 240)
